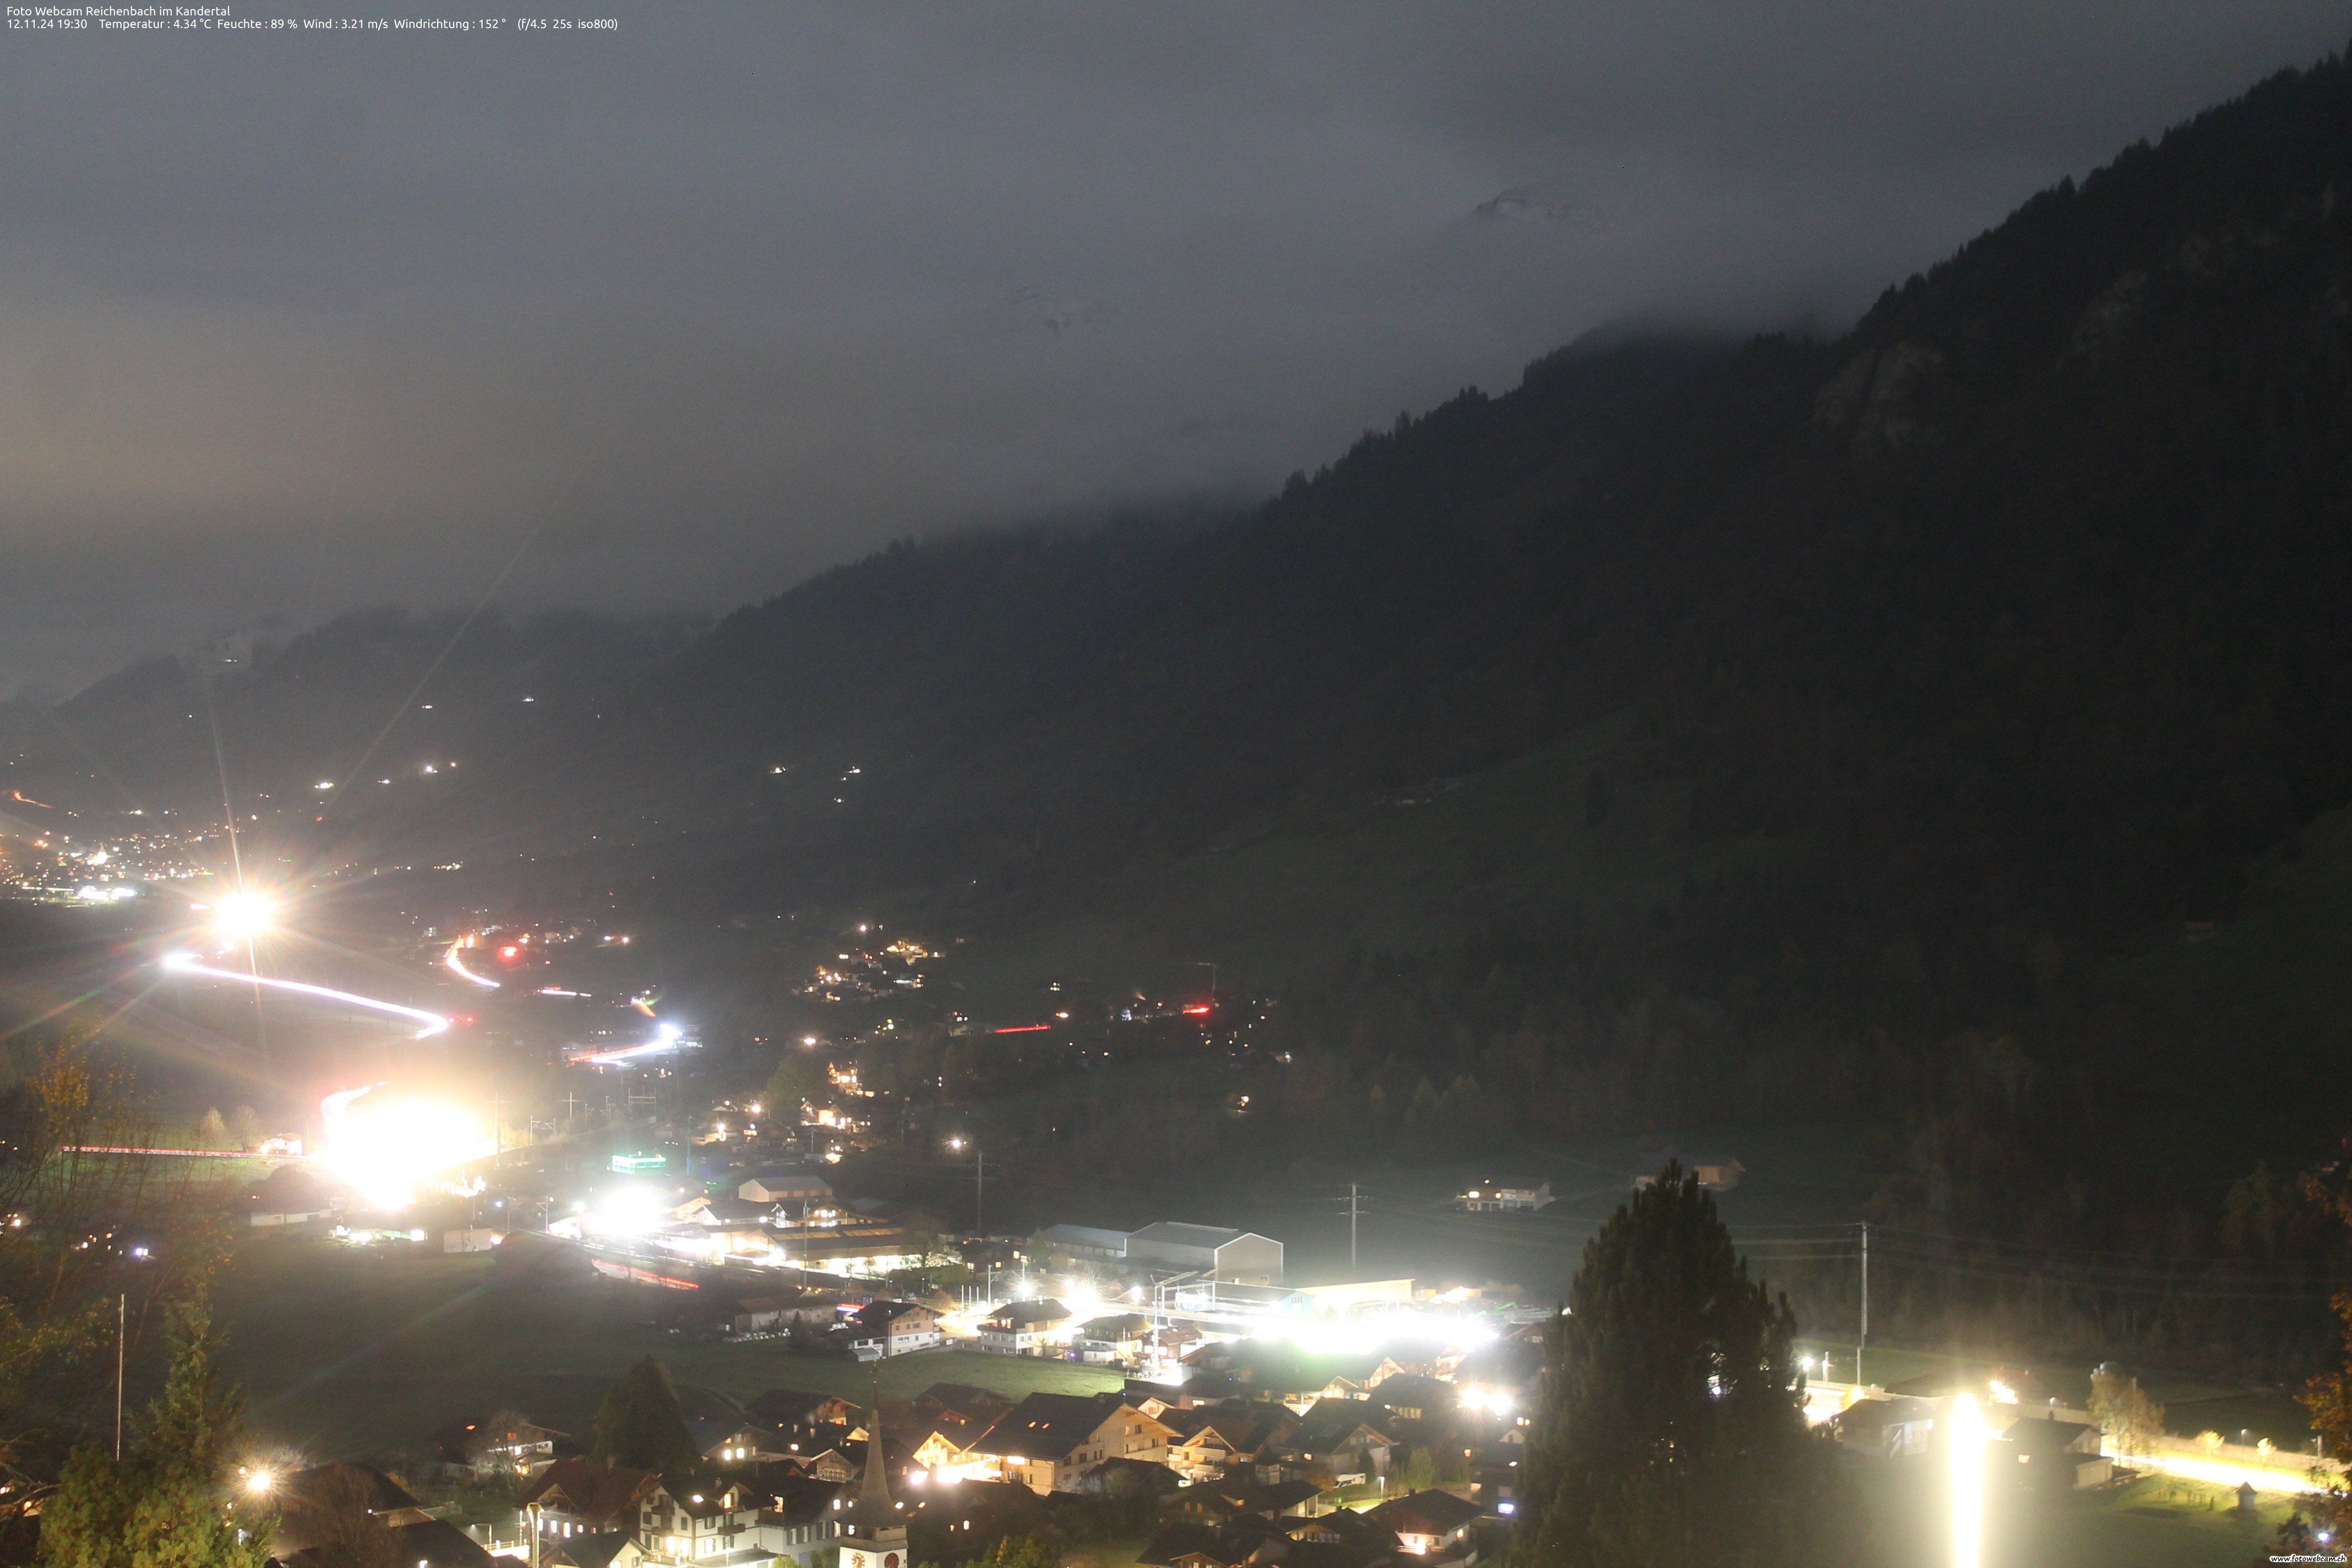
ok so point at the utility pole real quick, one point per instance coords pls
(980, 1194)
(1353, 1209)
(121, 1321)
(1863, 1341)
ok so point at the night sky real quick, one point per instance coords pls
(291, 324)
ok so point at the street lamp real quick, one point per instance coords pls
(243, 915)
(1966, 1458)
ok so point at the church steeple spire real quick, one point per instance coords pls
(875, 1533)
(872, 1511)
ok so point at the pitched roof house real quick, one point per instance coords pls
(1427, 1524)
(700, 1521)
(962, 1405)
(1048, 1439)
(786, 1186)
(482, 1450)
(1020, 1328)
(895, 1328)
(1348, 1435)
(1217, 1439)
(799, 1407)
(734, 1442)
(592, 1497)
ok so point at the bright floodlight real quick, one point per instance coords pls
(259, 1482)
(1966, 1456)
(242, 916)
(627, 1211)
(387, 1149)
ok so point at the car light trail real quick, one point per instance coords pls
(2222, 1473)
(187, 963)
(134, 1149)
(666, 1040)
(619, 1269)
(453, 967)
(627, 1053)
(1020, 1028)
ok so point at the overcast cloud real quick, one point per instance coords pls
(290, 325)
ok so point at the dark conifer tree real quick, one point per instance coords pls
(1672, 1426)
(168, 1502)
(640, 1424)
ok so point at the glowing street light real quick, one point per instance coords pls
(1966, 1457)
(388, 1149)
(243, 915)
(261, 1482)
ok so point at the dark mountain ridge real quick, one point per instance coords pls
(2020, 590)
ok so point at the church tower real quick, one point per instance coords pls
(874, 1536)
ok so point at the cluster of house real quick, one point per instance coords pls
(846, 1509)
(1244, 1463)
(871, 1330)
(792, 1218)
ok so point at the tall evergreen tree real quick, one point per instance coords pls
(799, 1073)
(167, 1503)
(640, 1424)
(1672, 1425)
(1021, 1552)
